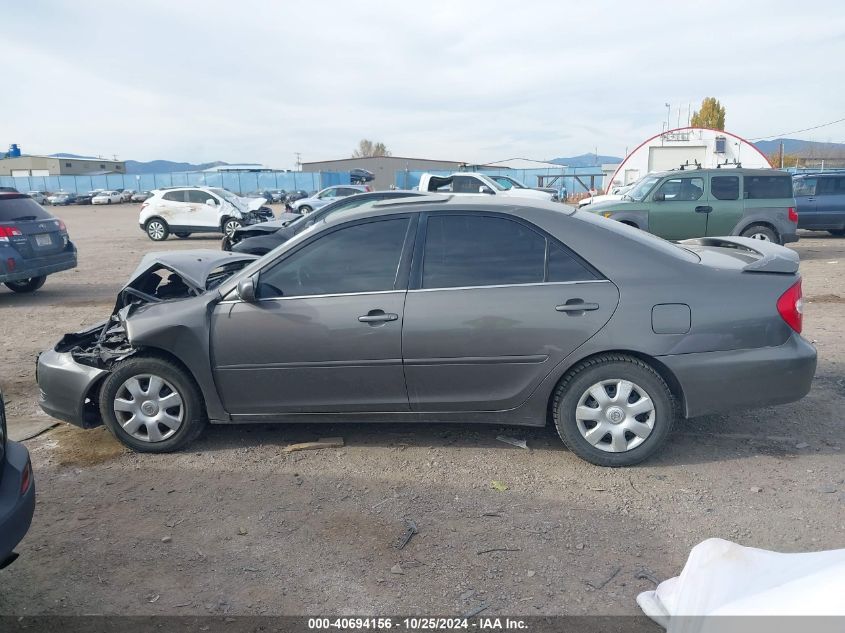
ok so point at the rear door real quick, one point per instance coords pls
(493, 307)
(202, 213)
(175, 209)
(725, 203)
(830, 202)
(678, 208)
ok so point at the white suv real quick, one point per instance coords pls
(186, 210)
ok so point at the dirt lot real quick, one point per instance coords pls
(236, 526)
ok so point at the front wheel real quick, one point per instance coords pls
(762, 233)
(151, 405)
(230, 226)
(305, 209)
(27, 285)
(157, 229)
(613, 410)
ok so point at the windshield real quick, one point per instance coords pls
(640, 190)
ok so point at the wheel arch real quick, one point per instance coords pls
(748, 223)
(663, 371)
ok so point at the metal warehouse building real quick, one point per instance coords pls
(59, 166)
(384, 168)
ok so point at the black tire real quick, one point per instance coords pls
(193, 419)
(157, 229)
(108, 201)
(229, 226)
(837, 232)
(182, 235)
(758, 231)
(608, 367)
(305, 209)
(26, 285)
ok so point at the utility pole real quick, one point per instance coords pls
(298, 161)
(781, 154)
(668, 114)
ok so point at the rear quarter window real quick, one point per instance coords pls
(767, 187)
(21, 209)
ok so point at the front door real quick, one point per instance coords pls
(325, 333)
(678, 208)
(490, 313)
(725, 204)
(804, 190)
(830, 202)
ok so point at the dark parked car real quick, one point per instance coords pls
(33, 243)
(84, 198)
(8, 190)
(821, 202)
(293, 196)
(17, 492)
(460, 310)
(260, 239)
(140, 196)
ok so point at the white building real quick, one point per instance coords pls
(673, 148)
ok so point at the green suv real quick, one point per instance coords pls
(694, 202)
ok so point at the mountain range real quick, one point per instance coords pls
(804, 149)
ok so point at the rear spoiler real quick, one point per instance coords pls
(773, 258)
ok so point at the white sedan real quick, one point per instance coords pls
(106, 197)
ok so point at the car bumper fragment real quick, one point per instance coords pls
(63, 385)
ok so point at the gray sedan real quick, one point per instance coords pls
(456, 310)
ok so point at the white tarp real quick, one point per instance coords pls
(725, 579)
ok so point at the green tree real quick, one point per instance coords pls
(711, 115)
(367, 148)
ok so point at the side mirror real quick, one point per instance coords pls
(246, 290)
(211, 202)
(486, 189)
(659, 197)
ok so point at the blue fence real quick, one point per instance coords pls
(237, 182)
(411, 179)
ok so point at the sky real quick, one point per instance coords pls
(252, 81)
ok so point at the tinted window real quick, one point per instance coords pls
(725, 187)
(328, 193)
(768, 187)
(465, 184)
(804, 186)
(22, 209)
(466, 250)
(199, 197)
(360, 258)
(347, 191)
(564, 266)
(830, 186)
(175, 196)
(681, 189)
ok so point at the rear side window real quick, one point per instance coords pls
(174, 196)
(725, 187)
(830, 186)
(21, 209)
(465, 184)
(768, 187)
(473, 250)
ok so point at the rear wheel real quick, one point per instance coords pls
(305, 209)
(613, 410)
(762, 233)
(837, 232)
(151, 405)
(27, 285)
(157, 229)
(182, 235)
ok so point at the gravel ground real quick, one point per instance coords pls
(235, 526)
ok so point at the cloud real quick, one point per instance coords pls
(477, 81)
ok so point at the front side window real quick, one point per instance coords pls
(681, 189)
(174, 196)
(768, 187)
(328, 193)
(725, 187)
(359, 258)
(804, 186)
(197, 196)
(467, 250)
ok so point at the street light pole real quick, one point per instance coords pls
(668, 114)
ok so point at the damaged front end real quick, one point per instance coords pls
(69, 373)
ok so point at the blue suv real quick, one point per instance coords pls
(821, 202)
(33, 243)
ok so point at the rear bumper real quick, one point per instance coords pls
(64, 384)
(16, 509)
(37, 266)
(714, 382)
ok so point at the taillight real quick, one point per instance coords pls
(62, 226)
(9, 231)
(26, 478)
(791, 306)
(793, 215)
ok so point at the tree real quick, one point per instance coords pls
(711, 115)
(789, 160)
(367, 149)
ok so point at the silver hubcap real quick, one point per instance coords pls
(156, 230)
(760, 236)
(230, 228)
(615, 415)
(149, 408)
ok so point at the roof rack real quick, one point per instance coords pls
(733, 163)
(687, 165)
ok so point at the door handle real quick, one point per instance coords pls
(577, 305)
(378, 316)
(703, 209)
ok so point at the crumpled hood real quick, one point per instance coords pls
(252, 204)
(193, 266)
